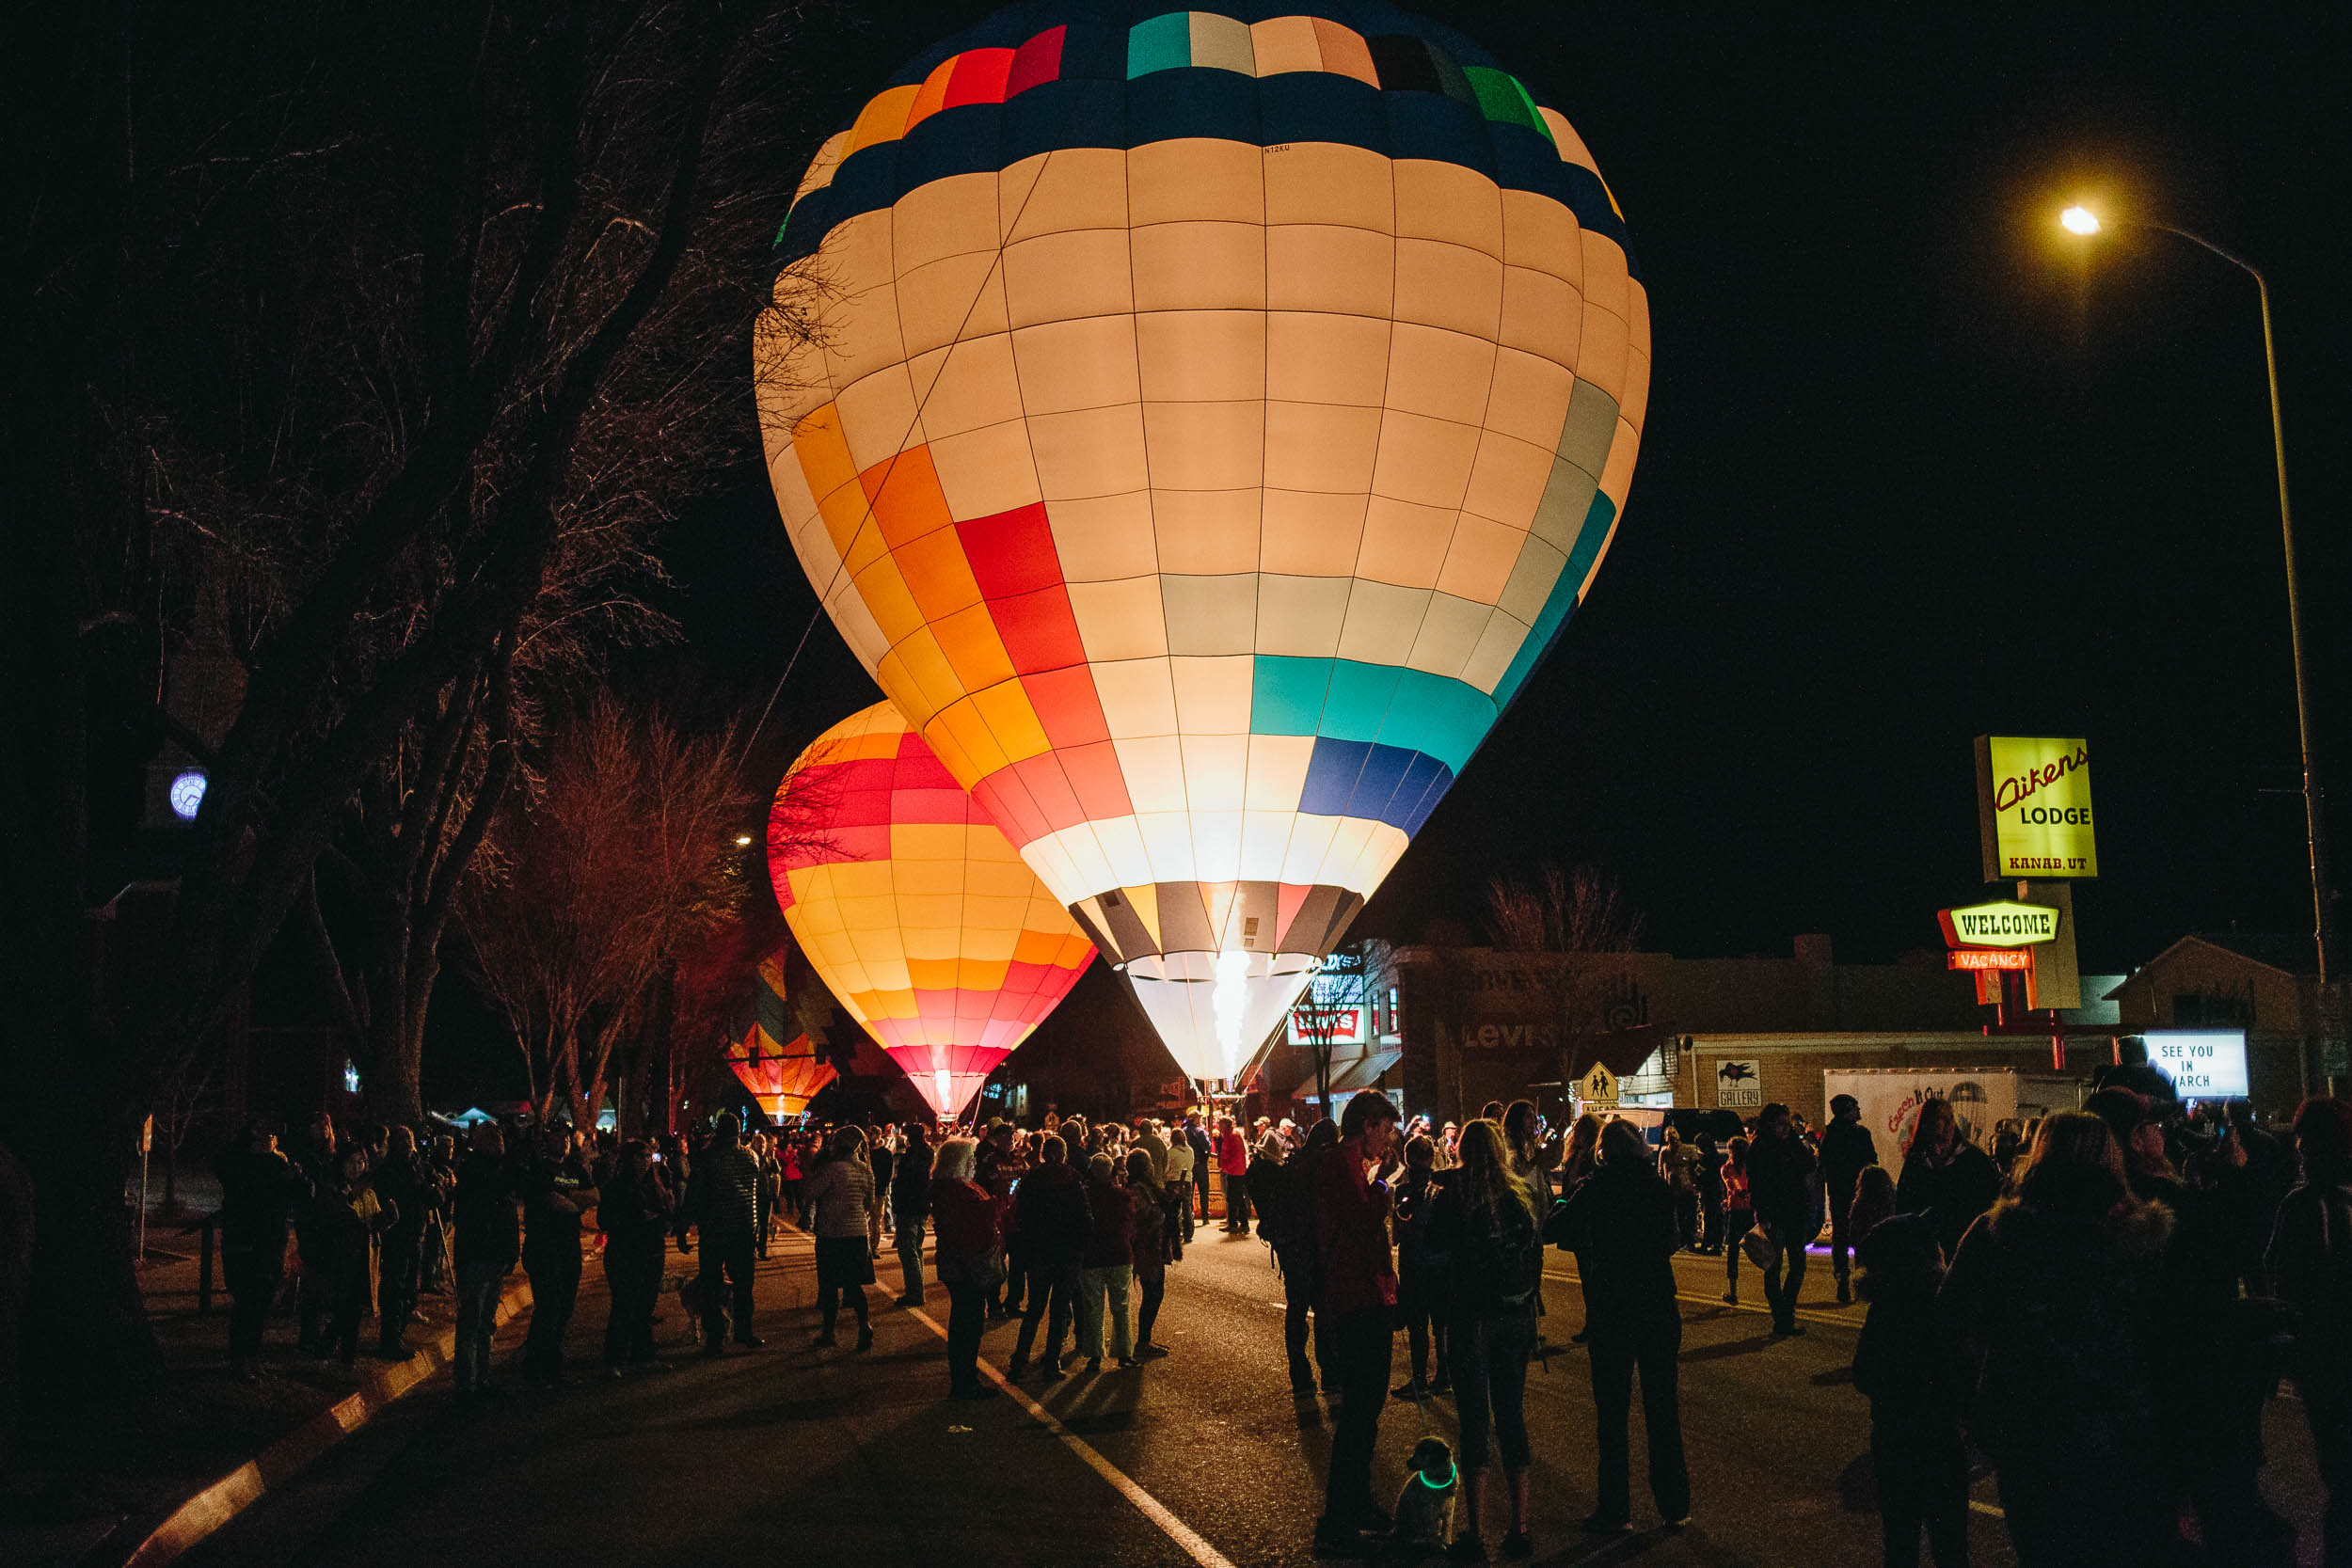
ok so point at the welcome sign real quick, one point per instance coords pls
(2033, 807)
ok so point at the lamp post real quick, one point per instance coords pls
(2083, 221)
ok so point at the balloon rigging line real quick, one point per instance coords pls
(777, 690)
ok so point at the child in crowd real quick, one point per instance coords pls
(1908, 1365)
(1873, 1201)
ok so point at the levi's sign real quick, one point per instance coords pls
(2003, 923)
(2033, 807)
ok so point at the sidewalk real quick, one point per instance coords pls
(91, 1492)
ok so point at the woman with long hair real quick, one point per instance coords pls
(1577, 1158)
(2055, 1289)
(1945, 1176)
(1484, 1221)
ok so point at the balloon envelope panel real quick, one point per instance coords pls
(783, 1077)
(913, 908)
(1217, 415)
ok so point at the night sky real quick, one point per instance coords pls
(1917, 466)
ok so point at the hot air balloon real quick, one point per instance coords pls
(1212, 423)
(913, 907)
(777, 1064)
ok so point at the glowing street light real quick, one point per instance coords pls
(2081, 220)
(743, 840)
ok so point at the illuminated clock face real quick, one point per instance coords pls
(187, 795)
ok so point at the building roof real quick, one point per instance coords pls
(2294, 954)
(2287, 955)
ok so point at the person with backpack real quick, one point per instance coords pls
(1621, 1223)
(1266, 1175)
(1484, 1221)
(1289, 1228)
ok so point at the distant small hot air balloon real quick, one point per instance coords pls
(1216, 416)
(913, 909)
(779, 1066)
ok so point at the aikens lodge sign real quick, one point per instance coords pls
(2033, 808)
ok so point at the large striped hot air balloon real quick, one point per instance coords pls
(777, 1064)
(913, 907)
(1217, 414)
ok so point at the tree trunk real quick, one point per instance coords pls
(63, 1109)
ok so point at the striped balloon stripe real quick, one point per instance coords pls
(1312, 65)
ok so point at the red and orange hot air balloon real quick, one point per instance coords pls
(777, 1064)
(914, 907)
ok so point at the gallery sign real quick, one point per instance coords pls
(2033, 807)
(1740, 1083)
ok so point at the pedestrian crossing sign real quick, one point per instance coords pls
(1598, 1086)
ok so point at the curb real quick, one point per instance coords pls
(241, 1488)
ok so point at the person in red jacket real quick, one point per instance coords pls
(1232, 1167)
(1356, 1299)
(971, 1260)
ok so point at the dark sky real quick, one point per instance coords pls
(1914, 471)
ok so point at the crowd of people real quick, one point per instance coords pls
(2099, 1302)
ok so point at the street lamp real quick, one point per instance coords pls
(2083, 221)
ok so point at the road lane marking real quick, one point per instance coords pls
(1835, 1320)
(1996, 1511)
(1124, 1485)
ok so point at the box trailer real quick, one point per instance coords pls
(1982, 1098)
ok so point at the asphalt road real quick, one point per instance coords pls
(790, 1455)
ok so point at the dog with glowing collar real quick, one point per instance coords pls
(1425, 1509)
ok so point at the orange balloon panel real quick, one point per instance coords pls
(914, 907)
(783, 1078)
